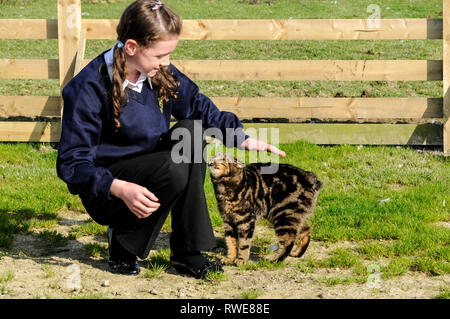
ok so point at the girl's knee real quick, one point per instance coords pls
(177, 175)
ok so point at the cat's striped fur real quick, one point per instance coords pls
(286, 198)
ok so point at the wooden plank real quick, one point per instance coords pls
(304, 108)
(365, 134)
(446, 78)
(291, 108)
(310, 70)
(30, 131)
(260, 70)
(69, 27)
(29, 106)
(292, 29)
(28, 29)
(100, 28)
(29, 69)
(311, 29)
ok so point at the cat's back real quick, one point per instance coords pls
(274, 173)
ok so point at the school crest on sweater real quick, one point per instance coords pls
(286, 198)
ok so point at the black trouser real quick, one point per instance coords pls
(179, 188)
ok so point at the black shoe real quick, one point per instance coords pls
(124, 267)
(121, 261)
(182, 265)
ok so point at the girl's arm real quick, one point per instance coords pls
(80, 134)
(81, 130)
(139, 200)
(252, 144)
(194, 105)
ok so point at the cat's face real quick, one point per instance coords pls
(222, 165)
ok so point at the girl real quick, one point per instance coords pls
(116, 150)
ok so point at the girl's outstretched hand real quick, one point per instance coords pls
(139, 200)
(252, 144)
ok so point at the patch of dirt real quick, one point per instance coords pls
(40, 274)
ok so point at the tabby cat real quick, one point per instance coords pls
(286, 198)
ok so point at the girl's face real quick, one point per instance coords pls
(149, 60)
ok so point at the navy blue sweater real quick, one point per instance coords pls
(88, 144)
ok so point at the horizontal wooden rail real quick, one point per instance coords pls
(30, 131)
(312, 70)
(29, 69)
(368, 134)
(261, 70)
(312, 29)
(30, 106)
(293, 29)
(306, 108)
(28, 29)
(290, 108)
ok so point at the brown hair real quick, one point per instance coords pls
(146, 26)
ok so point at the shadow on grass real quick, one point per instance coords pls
(48, 247)
(12, 223)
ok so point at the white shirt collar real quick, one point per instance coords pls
(109, 59)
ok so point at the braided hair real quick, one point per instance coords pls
(145, 21)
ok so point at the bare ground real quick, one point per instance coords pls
(38, 274)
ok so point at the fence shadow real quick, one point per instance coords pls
(48, 122)
(434, 29)
(426, 134)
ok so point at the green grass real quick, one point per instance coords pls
(356, 180)
(154, 271)
(157, 263)
(96, 250)
(253, 50)
(242, 9)
(6, 276)
(48, 270)
(160, 258)
(349, 209)
(215, 277)
(51, 239)
(340, 258)
(445, 293)
(89, 229)
(251, 294)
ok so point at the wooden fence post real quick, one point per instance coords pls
(446, 75)
(69, 27)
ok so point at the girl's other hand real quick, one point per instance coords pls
(139, 200)
(252, 144)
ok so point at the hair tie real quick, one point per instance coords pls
(157, 5)
(119, 44)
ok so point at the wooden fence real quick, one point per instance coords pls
(371, 119)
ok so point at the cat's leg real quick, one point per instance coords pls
(286, 230)
(245, 232)
(231, 242)
(303, 239)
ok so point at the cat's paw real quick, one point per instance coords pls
(240, 262)
(227, 261)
